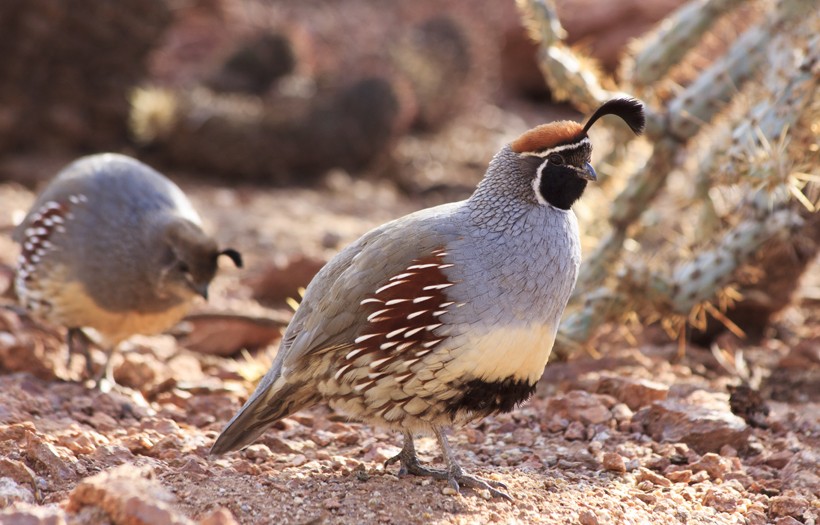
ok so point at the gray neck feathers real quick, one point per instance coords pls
(505, 194)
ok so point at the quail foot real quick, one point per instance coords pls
(113, 245)
(446, 315)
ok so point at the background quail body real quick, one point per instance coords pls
(113, 245)
(445, 315)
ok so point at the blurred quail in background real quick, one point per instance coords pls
(111, 244)
(446, 315)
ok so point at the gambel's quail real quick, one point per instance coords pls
(446, 315)
(111, 244)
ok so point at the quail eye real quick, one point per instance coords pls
(184, 268)
(556, 159)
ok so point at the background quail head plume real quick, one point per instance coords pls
(113, 245)
(445, 315)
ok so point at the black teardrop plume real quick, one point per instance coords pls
(629, 109)
(234, 255)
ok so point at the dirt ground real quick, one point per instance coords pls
(640, 435)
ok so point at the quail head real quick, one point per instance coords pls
(446, 315)
(111, 244)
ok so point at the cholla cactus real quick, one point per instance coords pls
(759, 137)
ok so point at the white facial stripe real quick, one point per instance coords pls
(556, 149)
(536, 183)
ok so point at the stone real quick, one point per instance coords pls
(679, 476)
(29, 514)
(635, 393)
(614, 462)
(755, 517)
(580, 406)
(18, 471)
(258, 451)
(785, 505)
(801, 471)
(721, 500)
(57, 461)
(575, 431)
(703, 429)
(220, 516)
(716, 466)
(644, 474)
(129, 495)
(587, 517)
(12, 492)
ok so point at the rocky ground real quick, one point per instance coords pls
(640, 435)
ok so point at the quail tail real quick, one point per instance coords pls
(454, 474)
(263, 409)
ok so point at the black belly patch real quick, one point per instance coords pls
(484, 398)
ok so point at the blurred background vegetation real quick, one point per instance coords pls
(703, 227)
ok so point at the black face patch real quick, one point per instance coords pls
(560, 172)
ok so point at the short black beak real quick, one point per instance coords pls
(589, 174)
(202, 289)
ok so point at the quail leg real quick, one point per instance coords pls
(456, 477)
(78, 341)
(105, 379)
(410, 462)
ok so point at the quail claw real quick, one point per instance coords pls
(457, 477)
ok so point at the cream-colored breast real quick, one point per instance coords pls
(509, 352)
(70, 306)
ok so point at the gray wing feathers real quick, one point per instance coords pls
(328, 318)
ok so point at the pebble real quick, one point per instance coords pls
(645, 474)
(788, 506)
(575, 431)
(702, 428)
(12, 492)
(679, 476)
(633, 392)
(449, 491)
(714, 465)
(587, 517)
(580, 406)
(614, 462)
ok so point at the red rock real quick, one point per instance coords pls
(704, 429)
(634, 392)
(258, 451)
(779, 459)
(19, 472)
(784, 505)
(755, 517)
(282, 279)
(721, 500)
(57, 461)
(575, 431)
(614, 462)
(129, 495)
(679, 476)
(644, 474)
(801, 470)
(716, 466)
(28, 514)
(587, 517)
(581, 406)
(12, 492)
(17, 431)
(221, 516)
(786, 520)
